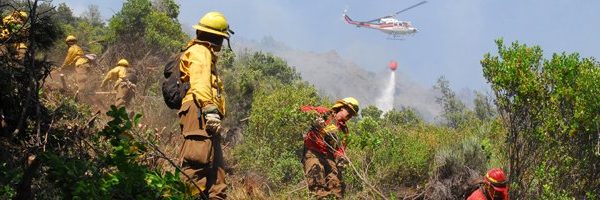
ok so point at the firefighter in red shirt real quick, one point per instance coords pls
(324, 149)
(494, 187)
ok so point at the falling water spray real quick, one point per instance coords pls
(386, 101)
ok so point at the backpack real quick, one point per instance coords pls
(88, 55)
(172, 88)
(470, 188)
(132, 76)
(91, 57)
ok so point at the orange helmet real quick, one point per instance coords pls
(498, 182)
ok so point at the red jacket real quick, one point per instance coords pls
(314, 141)
(480, 194)
(477, 195)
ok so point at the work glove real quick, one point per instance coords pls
(213, 123)
(319, 123)
(342, 162)
(331, 139)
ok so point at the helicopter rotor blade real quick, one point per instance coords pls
(375, 20)
(396, 13)
(411, 7)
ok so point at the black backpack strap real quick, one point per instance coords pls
(485, 192)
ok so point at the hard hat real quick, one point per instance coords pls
(23, 14)
(4, 34)
(21, 46)
(123, 63)
(349, 102)
(214, 22)
(497, 179)
(8, 19)
(70, 38)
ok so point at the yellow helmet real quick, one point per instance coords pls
(71, 38)
(8, 19)
(21, 46)
(214, 22)
(123, 63)
(4, 34)
(349, 102)
(23, 14)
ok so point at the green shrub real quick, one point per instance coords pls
(8, 180)
(550, 110)
(116, 172)
(273, 140)
(393, 155)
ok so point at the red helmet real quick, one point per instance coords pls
(498, 181)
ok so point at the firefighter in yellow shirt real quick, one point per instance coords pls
(123, 86)
(202, 109)
(76, 60)
(21, 51)
(12, 35)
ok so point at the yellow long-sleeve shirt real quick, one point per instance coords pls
(74, 56)
(117, 73)
(197, 65)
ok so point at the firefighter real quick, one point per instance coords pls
(123, 85)
(21, 52)
(493, 187)
(76, 60)
(324, 149)
(13, 34)
(13, 23)
(203, 108)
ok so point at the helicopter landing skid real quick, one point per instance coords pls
(395, 38)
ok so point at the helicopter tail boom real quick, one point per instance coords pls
(350, 21)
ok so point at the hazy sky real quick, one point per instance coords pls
(453, 35)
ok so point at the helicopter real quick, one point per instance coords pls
(388, 24)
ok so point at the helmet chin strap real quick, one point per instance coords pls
(227, 38)
(229, 43)
(209, 44)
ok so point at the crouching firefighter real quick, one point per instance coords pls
(493, 187)
(324, 148)
(124, 84)
(201, 108)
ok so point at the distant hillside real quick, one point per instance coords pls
(337, 77)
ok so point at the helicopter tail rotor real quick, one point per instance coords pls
(345, 11)
(345, 17)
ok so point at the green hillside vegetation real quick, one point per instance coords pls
(540, 124)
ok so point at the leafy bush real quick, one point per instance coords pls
(8, 180)
(404, 116)
(140, 19)
(371, 111)
(454, 170)
(118, 172)
(455, 113)
(273, 140)
(393, 156)
(243, 77)
(550, 108)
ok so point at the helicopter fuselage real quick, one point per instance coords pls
(390, 26)
(387, 24)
